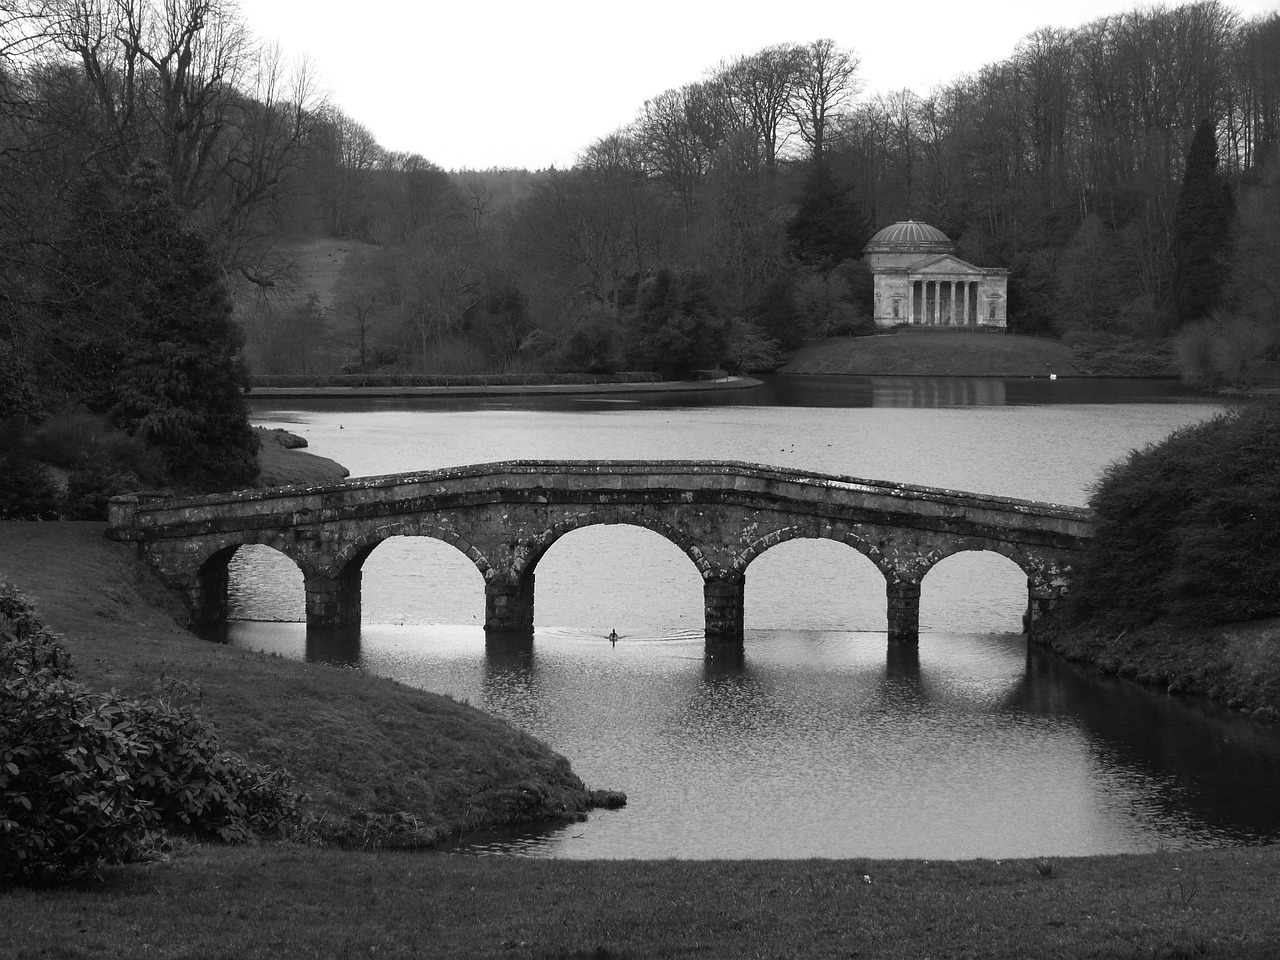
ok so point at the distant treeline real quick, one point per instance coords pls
(1122, 170)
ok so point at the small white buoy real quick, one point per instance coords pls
(1053, 376)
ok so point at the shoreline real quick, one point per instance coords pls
(545, 389)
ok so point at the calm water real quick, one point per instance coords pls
(817, 741)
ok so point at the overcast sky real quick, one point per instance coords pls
(530, 84)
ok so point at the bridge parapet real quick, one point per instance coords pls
(504, 516)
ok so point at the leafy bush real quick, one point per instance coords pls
(1124, 357)
(1190, 527)
(92, 484)
(102, 461)
(87, 778)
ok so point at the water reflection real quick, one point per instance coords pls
(821, 743)
(336, 646)
(1224, 767)
(936, 392)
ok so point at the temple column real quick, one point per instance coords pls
(953, 303)
(964, 295)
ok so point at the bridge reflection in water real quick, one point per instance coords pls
(505, 516)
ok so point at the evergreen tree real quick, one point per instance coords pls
(675, 326)
(141, 324)
(828, 226)
(777, 313)
(1201, 230)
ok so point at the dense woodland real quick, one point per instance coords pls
(161, 170)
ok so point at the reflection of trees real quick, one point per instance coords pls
(1217, 770)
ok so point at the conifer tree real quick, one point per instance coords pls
(1201, 230)
(828, 226)
(142, 333)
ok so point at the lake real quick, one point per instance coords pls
(819, 740)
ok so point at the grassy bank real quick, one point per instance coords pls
(381, 762)
(283, 461)
(1234, 664)
(909, 354)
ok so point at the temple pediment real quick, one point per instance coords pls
(944, 264)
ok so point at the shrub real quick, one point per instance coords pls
(92, 484)
(27, 492)
(87, 778)
(1190, 527)
(103, 461)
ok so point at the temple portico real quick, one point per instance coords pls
(919, 280)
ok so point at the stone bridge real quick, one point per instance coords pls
(504, 517)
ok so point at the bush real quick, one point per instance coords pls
(88, 778)
(102, 461)
(1190, 527)
(27, 492)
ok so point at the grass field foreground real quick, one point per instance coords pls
(241, 903)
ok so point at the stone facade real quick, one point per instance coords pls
(920, 281)
(505, 516)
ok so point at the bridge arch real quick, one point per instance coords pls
(353, 554)
(527, 557)
(975, 590)
(814, 532)
(208, 586)
(1043, 572)
(837, 592)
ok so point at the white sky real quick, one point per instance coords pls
(530, 84)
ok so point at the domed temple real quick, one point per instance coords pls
(920, 280)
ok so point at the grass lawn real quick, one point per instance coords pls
(934, 355)
(291, 902)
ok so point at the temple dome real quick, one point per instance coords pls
(910, 236)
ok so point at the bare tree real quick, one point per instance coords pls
(346, 157)
(762, 87)
(826, 82)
